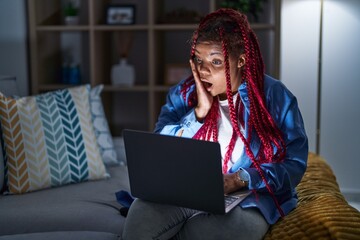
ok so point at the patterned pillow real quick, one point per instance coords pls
(2, 173)
(102, 131)
(49, 140)
(120, 150)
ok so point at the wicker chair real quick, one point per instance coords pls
(322, 211)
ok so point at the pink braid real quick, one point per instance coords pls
(260, 121)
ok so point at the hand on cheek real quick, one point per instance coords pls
(204, 98)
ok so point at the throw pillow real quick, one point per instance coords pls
(49, 140)
(102, 130)
(120, 150)
(2, 166)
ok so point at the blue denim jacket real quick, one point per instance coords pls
(283, 177)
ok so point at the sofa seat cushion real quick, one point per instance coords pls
(68, 235)
(87, 206)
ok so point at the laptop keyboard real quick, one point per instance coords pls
(229, 200)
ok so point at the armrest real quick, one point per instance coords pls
(322, 211)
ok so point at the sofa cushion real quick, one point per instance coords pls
(102, 130)
(86, 206)
(49, 140)
(322, 212)
(2, 172)
(120, 149)
(68, 235)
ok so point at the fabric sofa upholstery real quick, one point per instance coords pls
(83, 207)
(89, 210)
(59, 169)
(63, 235)
(322, 211)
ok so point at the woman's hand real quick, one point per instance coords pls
(205, 99)
(232, 182)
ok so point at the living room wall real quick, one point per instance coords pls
(13, 43)
(324, 75)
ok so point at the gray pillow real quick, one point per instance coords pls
(101, 127)
(120, 150)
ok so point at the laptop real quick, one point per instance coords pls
(177, 171)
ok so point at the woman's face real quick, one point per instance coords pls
(210, 64)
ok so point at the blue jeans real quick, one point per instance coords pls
(150, 221)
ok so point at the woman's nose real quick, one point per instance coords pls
(203, 68)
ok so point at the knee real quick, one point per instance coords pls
(134, 220)
(147, 220)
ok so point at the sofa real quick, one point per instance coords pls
(86, 207)
(59, 167)
(86, 210)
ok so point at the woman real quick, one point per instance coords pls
(256, 120)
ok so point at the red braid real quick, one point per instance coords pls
(234, 119)
(209, 130)
(232, 30)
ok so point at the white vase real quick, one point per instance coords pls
(71, 20)
(123, 73)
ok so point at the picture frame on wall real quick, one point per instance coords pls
(120, 14)
(174, 73)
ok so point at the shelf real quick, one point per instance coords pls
(175, 27)
(263, 26)
(157, 41)
(52, 87)
(159, 88)
(121, 27)
(62, 28)
(114, 88)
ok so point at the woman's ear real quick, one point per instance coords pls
(241, 61)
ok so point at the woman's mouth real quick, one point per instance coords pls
(207, 86)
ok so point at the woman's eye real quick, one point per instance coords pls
(217, 62)
(197, 60)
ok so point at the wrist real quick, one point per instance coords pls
(199, 114)
(241, 181)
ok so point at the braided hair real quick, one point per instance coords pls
(232, 31)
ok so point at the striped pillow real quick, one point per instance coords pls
(49, 140)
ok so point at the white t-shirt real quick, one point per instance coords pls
(225, 133)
